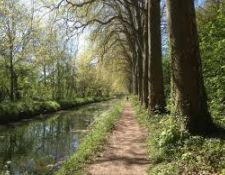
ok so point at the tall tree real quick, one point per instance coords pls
(189, 92)
(156, 89)
(145, 59)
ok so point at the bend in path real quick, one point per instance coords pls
(124, 153)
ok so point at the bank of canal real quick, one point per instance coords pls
(40, 146)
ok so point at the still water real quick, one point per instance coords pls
(40, 146)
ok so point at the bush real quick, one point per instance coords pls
(177, 152)
(50, 106)
(169, 136)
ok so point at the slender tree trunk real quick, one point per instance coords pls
(139, 40)
(156, 89)
(189, 92)
(11, 74)
(145, 62)
(45, 73)
(134, 78)
(140, 74)
(59, 81)
(138, 70)
(16, 87)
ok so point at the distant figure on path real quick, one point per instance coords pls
(127, 98)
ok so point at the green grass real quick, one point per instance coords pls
(93, 142)
(174, 151)
(10, 112)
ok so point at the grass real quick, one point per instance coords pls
(10, 112)
(174, 151)
(93, 142)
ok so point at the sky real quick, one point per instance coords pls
(199, 2)
(83, 41)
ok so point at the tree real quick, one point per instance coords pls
(145, 90)
(212, 33)
(16, 31)
(156, 89)
(188, 91)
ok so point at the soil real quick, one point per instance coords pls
(124, 152)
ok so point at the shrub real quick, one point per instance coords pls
(176, 152)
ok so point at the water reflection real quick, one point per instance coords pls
(40, 146)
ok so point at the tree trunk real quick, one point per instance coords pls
(139, 39)
(156, 90)
(16, 88)
(189, 92)
(145, 62)
(11, 74)
(134, 78)
(140, 73)
(138, 69)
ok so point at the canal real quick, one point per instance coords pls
(40, 146)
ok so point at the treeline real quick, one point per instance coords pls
(135, 31)
(34, 61)
(40, 58)
(43, 65)
(133, 45)
(189, 98)
(11, 112)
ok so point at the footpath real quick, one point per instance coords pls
(124, 153)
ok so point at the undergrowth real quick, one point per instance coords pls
(174, 151)
(92, 143)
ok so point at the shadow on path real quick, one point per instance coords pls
(123, 153)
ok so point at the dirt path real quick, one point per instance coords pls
(124, 153)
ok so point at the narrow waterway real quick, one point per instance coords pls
(39, 146)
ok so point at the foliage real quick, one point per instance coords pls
(174, 151)
(100, 129)
(167, 76)
(212, 34)
(21, 110)
(40, 62)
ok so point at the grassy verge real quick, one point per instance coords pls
(10, 112)
(175, 152)
(92, 143)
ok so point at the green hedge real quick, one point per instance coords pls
(10, 112)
